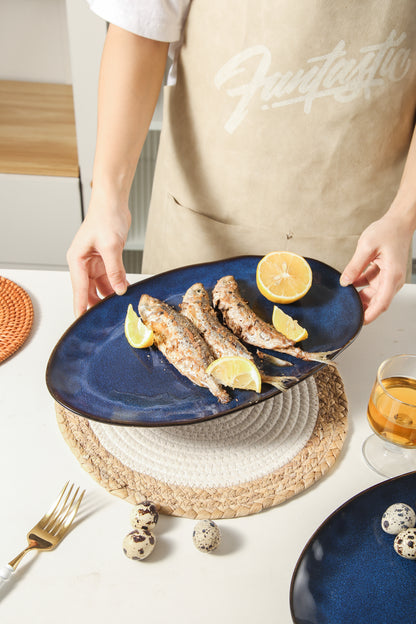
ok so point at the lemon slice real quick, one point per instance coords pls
(288, 326)
(236, 372)
(283, 277)
(136, 332)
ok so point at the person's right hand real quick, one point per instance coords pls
(95, 255)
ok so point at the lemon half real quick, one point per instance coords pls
(283, 277)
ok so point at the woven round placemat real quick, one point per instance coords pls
(16, 317)
(175, 497)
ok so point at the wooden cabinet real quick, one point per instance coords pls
(48, 135)
(37, 129)
(39, 175)
(40, 199)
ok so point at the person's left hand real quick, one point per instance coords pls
(379, 264)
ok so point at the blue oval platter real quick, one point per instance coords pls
(349, 571)
(95, 373)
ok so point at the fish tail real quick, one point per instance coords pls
(309, 356)
(276, 381)
(272, 359)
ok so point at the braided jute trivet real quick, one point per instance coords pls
(16, 317)
(186, 445)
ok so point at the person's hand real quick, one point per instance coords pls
(95, 256)
(379, 264)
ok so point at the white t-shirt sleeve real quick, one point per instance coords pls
(155, 19)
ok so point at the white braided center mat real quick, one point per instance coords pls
(224, 452)
(230, 466)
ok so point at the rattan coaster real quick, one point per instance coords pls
(308, 449)
(16, 317)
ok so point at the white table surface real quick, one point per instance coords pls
(88, 578)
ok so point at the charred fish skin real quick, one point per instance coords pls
(245, 323)
(242, 320)
(196, 306)
(181, 343)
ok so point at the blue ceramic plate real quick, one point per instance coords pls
(349, 571)
(94, 372)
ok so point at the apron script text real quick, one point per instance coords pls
(332, 74)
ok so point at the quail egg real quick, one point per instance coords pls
(398, 517)
(144, 514)
(139, 544)
(206, 535)
(405, 543)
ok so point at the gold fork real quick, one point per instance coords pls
(50, 530)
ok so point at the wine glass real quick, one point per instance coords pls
(391, 412)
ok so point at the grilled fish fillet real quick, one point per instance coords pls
(181, 343)
(197, 307)
(245, 323)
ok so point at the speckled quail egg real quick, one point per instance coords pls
(206, 535)
(139, 543)
(398, 517)
(405, 544)
(144, 514)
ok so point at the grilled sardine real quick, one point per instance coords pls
(181, 343)
(245, 323)
(197, 307)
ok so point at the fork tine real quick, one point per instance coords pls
(57, 512)
(62, 512)
(68, 519)
(46, 518)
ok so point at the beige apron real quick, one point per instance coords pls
(287, 128)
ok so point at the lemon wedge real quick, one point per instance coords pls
(236, 372)
(138, 335)
(288, 326)
(283, 277)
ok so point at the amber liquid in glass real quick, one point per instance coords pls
(392, 420)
